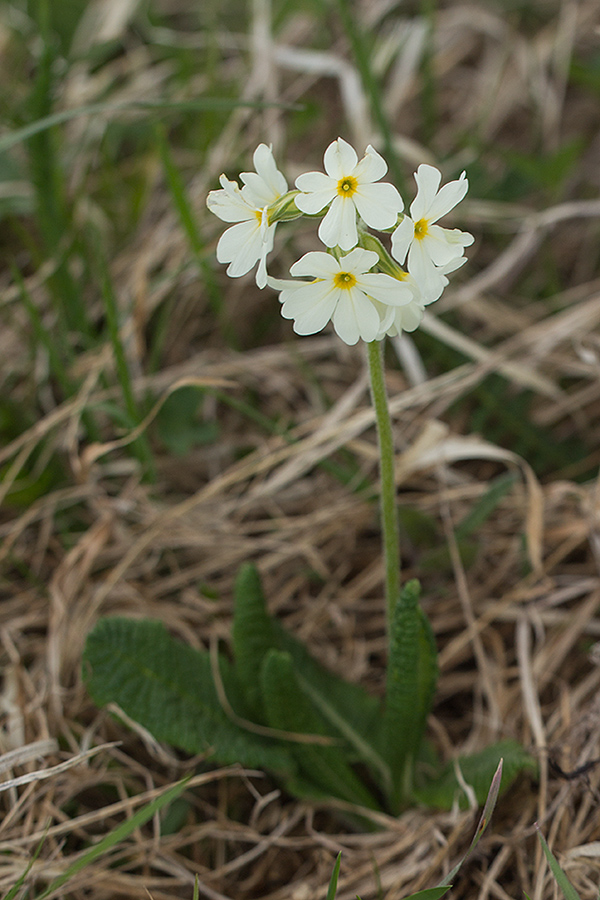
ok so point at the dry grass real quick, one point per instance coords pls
(518, 631)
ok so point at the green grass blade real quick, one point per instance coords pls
(331, 890)
(569, 892)
(148, 106)
(117, 835)
(140, 446)
(21, 880)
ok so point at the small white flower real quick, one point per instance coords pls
(360, 303)
(348, 186)
(429, 246)
(408, 318)
(247, 243)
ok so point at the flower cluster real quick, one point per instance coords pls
(355, 284)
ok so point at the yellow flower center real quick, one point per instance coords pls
(421, 229)
(347, 186)
(345, 280)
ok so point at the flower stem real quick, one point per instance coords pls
(389, 511)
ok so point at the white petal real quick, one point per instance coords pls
(309, 182)
(282, 284)
(315, 201)
(355, 317)
(317, 264)
(428, 181)
(311, 310)
(265, 165)
(402, 238)
(358, 261)
(440, 246)
(386, 289)
(242, 251)
(378, 204)
(447, 198)
(340, 159)
(229, 204)
(236, 238)
(422, 269)
(338, 228)
(408, 318)
(453, 265)
(372, 166)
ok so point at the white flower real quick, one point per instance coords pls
(344, 292)
(408, 318)
(247, 243)
(348, 186)
(429, 246)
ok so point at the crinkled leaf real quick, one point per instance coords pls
(352, 714)
(411, 681)
(168, 688)
(477, 771)
(289, 709)
(253, 635)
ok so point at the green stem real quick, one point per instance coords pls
(389, 510)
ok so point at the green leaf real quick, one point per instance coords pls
(411, 681)
(289, 709)
(477, 771)
(168, 688)
(331, 890)
(562, 881)
(253, 635)
(433, 893)
(352, 714)
(177, 422)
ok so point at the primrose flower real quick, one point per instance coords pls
(360, 303)
(247, 243)
(427, 245)
(349, 187)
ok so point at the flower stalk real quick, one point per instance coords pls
(387, 489)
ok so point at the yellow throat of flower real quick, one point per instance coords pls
(421, 229)
(344, 280)
(347, 186)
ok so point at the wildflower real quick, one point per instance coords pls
(360, 303)
(408, 317)
(247, 243)
(349, 187)
(427, 245)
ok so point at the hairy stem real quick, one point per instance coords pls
(389, 511)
